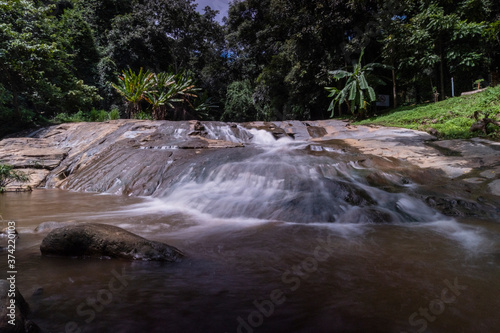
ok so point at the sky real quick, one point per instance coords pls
(220, 5)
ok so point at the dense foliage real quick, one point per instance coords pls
(164, 92)
(38, 76)
(270, 59)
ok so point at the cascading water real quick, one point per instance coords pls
(279, 235)
(288, 181)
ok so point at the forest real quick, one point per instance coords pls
(268, 60)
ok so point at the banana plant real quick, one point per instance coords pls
(134, 87)
(357, 93)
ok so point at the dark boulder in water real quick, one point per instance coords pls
(102, 240)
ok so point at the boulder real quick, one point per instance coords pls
(102, 240)
(13, 315)
(454, 207)
(316, 131)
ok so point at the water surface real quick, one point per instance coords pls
(276, 241)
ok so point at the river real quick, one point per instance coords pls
(286, 237)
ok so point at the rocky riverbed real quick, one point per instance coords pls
(144, 158)
(345, 222)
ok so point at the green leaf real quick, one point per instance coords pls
(339, 74)
(333, 91)
(363, 84)
(360, 100)
(353, 91)
(371, 94)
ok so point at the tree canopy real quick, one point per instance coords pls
(38, 69)
(270, 59)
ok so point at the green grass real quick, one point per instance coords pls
(451, 118)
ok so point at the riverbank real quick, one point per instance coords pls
(449, 119)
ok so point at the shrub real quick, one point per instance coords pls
(114, 114)
(141, 115)
(239, 105)
(8, 175)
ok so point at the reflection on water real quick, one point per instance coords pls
(325, 277)
(263, 255)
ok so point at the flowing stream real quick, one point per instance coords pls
(280, 236)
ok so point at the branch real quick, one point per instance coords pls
(482, 124)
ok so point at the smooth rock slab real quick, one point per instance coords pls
(490, 174)
(495, 187)
(102, 240)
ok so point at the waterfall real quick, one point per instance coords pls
(289, 181)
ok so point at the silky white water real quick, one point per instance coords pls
(280, 237)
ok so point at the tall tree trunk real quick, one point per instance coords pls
(394, 94)
(494, 78)
(441, 67)
(15, 98)
(15, 101)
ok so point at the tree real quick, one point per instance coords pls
(167, 36)
(37, 72)
(80, 43)
(171, 91)
(357, 93)
(432, 41)
(100, 14)
(285, 49)
(492, 35)
(185, 91)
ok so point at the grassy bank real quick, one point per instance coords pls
(451, 118)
